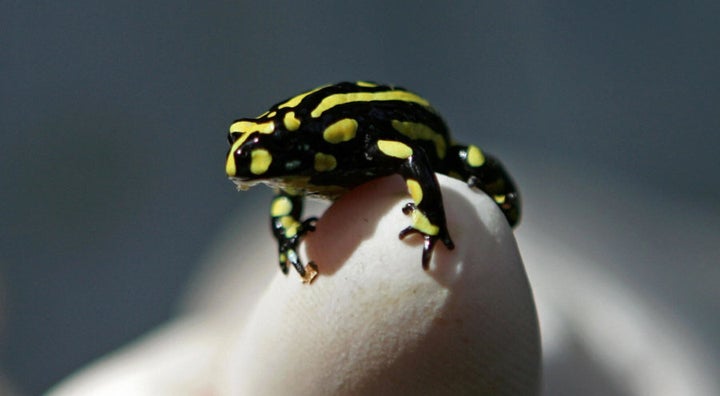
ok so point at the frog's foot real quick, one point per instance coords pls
(430, 239)
(289, 255)
(288, 252)
(308, 225)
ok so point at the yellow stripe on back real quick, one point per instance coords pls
(247, 126)
(420, 131)
(338, 99)
(293, 102)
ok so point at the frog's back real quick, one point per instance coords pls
(376, 111)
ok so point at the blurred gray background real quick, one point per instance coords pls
(113, 118)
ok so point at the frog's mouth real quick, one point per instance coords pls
(244, 184)
(296, 184)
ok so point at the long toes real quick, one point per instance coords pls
(407, 231)
(283, 267)
(448, 243)
(428, 250)
(308, 224)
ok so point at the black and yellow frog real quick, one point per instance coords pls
(324, 142)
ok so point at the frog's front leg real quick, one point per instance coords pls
(427, 211)
(285, 212)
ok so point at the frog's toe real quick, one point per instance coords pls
(428, 244)
(308, 225)
(311, 271)
(283, 264)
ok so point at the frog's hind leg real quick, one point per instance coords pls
(288, 229)
(485, 172)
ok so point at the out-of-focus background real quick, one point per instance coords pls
(113, 118)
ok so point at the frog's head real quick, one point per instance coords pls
(263, 157)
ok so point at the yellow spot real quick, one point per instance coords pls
(267, 114)
(324, 162)
(290, 225)
(475, 157)
(365, 84)
(422, 224)
(293, 102)
(291, 122)
(337, 99)
(415, 190)
(260, 160)
(340, 131)
(395, 149)
(420, 131)
(247, 126)
(281, 206)
(499, 199)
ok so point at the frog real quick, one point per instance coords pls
(326, 141)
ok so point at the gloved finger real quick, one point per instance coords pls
(374, 322)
